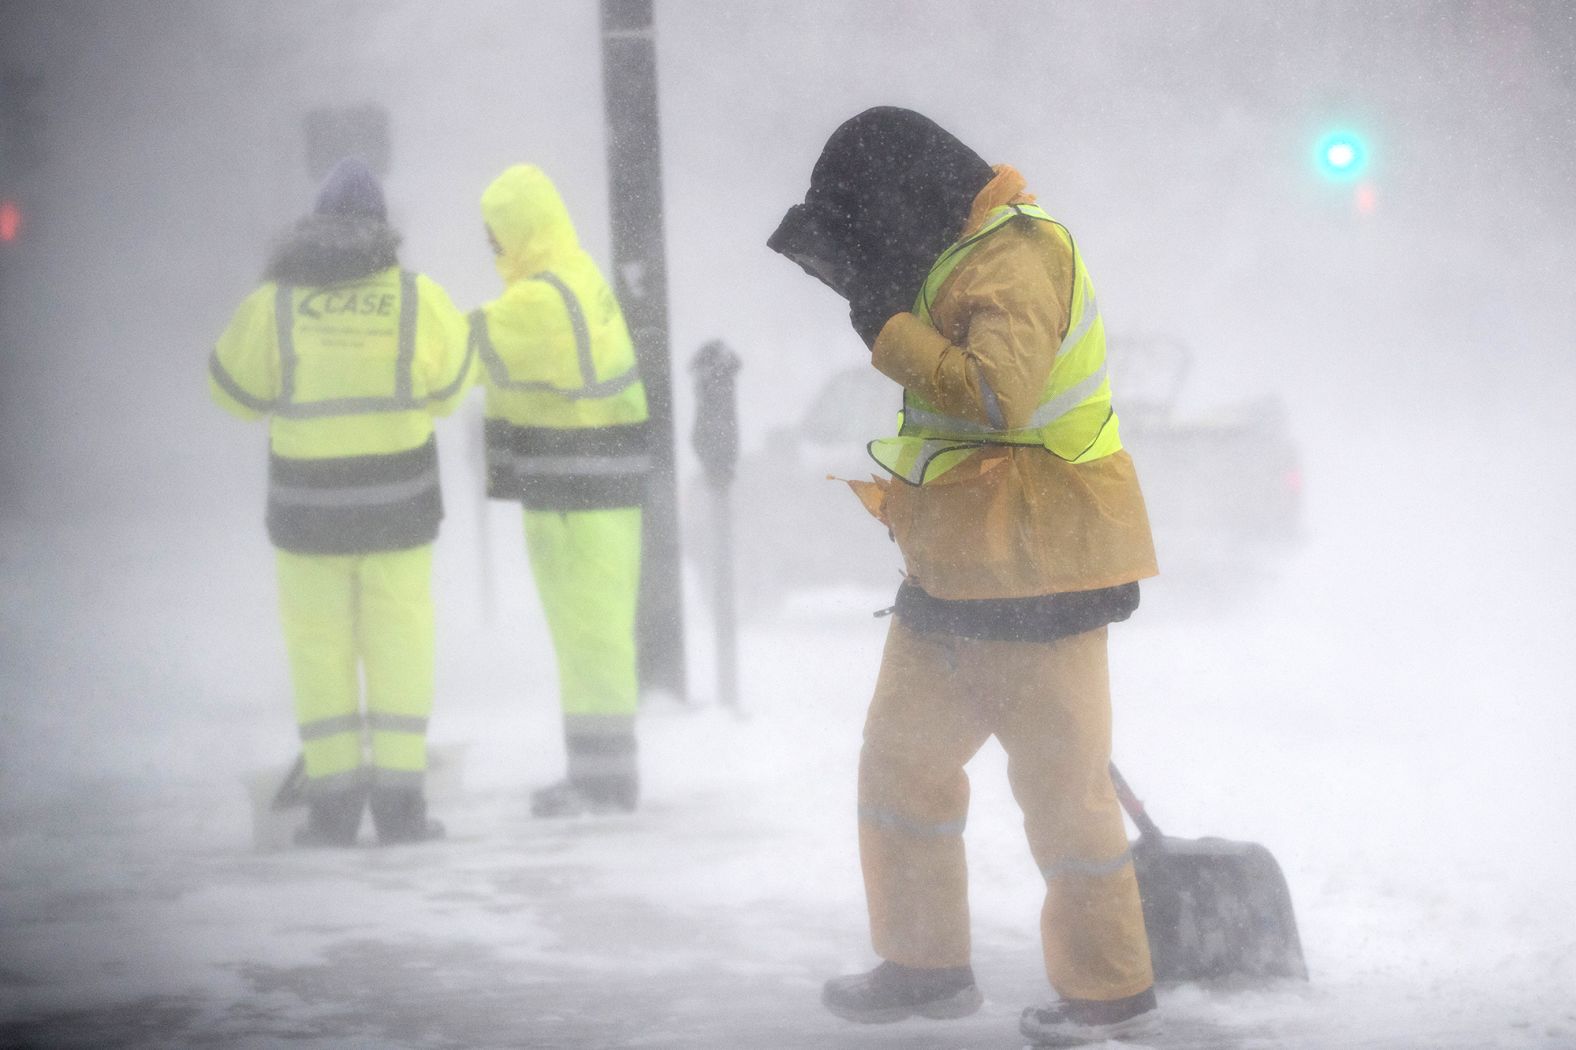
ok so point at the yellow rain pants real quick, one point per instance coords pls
(937, 700)
(587, 569)
(354, 618)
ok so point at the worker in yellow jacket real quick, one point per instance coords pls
(350, 357)
(1023, 533)
(566, 438)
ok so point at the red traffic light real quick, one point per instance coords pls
(10, 221)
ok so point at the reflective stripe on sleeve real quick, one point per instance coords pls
(284, 324)
(459, 376)
(498, 372)
(228, 384)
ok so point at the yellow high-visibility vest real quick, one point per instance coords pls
(350, 375)
(1074, 419)
(578, 440)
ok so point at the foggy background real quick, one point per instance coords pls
(1388, 706)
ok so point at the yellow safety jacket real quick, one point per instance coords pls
(350, 375)
(566, 409)
(1074, 419)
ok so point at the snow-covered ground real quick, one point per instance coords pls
(1398, 752)
(1390, 712)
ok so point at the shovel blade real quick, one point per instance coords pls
(1215, 908)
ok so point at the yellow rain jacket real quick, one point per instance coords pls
(566, 436)
(350, 376)
(566, 410)
(1013, 521)
(351, 358)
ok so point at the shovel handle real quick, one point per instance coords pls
(1147, 828)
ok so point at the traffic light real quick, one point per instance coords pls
(1341, 155)
(10, 221)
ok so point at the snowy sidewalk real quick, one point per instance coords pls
(709, 919)
(134, 913)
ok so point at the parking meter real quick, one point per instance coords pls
(716, 434)
(716, 442)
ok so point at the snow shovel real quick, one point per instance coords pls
(292, 790)
(1212, 908)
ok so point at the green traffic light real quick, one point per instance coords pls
(1341, 155)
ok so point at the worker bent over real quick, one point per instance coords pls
(566, 437)
(350, 357)
(1023, 532)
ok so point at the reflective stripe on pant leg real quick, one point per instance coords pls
(587, 570)
(332, 749)
(1056, 729)
(913, 800)
(600, 747)
(396, 640)
(1093, 931)
(317, 612)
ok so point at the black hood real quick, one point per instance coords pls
(332, 249)
(890, 191)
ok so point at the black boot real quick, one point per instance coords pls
(892, 992)
(333, 818)
(1080, 1022)
(588, 797)
(400, 815)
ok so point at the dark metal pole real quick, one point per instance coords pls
(629, 86)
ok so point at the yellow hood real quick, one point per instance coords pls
(528, 221)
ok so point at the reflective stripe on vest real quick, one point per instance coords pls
(355, 504)
(578, 468)
(402, 400)
(566, 467)
(286, 405)
(589, 386)
(1073, 420)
